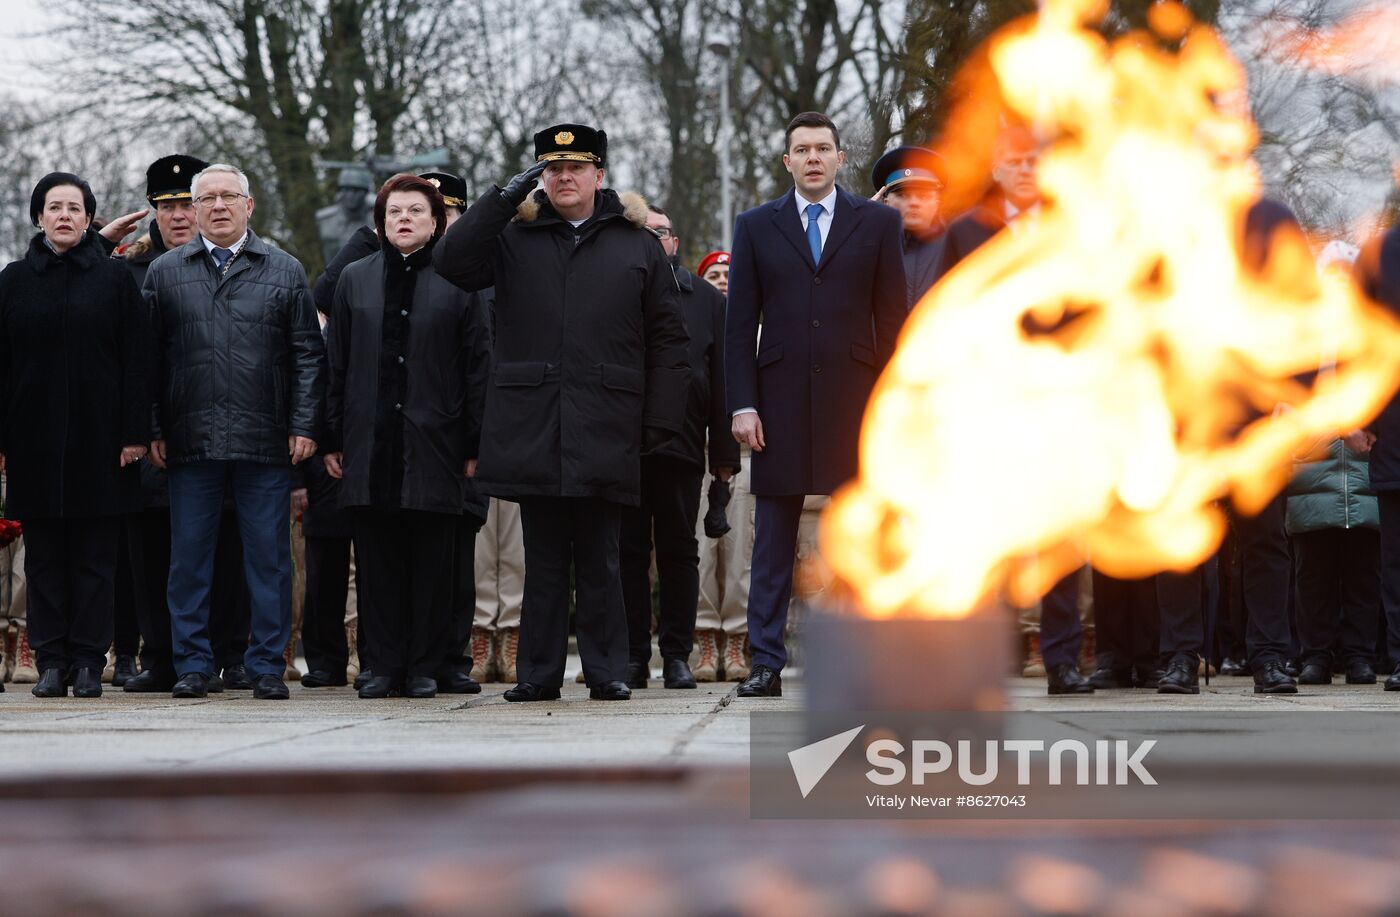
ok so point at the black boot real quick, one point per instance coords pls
(637, 674)
(51, 684)
(1359, 672)
(1270, 678)
(677, 674)
(87, 683)
(123, 671)
(1393, 682)
(380, 686)
(1066, 679)
(1315, 673)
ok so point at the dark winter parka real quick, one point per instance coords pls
(240, 364)
(74, 382)
(703, 308)
(408, 372)
(1378, 273)
(138, 257)
(590, 345)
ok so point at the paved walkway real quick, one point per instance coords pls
(332, 728)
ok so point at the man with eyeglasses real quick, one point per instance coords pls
(671, 478)
(240, 378)
(909, 179)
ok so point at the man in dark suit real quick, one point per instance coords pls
(1014, 202)
(824, 270)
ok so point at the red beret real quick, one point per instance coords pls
(710, 260)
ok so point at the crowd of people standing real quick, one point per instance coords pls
(491, 419)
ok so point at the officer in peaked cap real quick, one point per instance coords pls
(909, 179)
(453, 190)
(590, 368)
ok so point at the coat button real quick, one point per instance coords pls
(816, 323)
(400, 360)
(816, 367)
(398, 406)
(403, 312)
(817, 281)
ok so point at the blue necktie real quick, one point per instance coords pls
(814, 232)
(221, 257)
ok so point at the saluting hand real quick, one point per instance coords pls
(519, 187)
(879, 196)
(122, 226)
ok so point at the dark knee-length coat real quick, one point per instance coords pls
(828, 331)
(75, 358)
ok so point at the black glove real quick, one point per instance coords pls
(654, 438)
(519, 187)
(716, 524)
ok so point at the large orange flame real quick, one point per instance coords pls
(1092, 386)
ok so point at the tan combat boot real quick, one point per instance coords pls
(25, 672)
(485, 666)
(1035, 663)
(352, 640)
(706, 667)
(7, 650)
(736, 663)
(289, 656)
(508, 644)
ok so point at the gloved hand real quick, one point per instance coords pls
(716, 523)
(654, 438)
(519, 187)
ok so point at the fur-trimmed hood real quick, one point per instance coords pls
(630, 204)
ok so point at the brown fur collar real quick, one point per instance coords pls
(634, 208)
(138, 248)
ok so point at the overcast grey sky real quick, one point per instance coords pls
(20, 73)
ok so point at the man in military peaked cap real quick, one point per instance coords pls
(909, 179)
(590, 369)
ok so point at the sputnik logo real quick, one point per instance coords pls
(811, 762)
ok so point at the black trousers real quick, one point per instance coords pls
(582, 533)
(126, 627)
(148, 543)
(457, 655)
(666, 518)
(323, 612)
(71, 566)
(1126, 622)
(1338, 582)
(1183, 602)
(1266, 571)
(230, 609)
(405, 560)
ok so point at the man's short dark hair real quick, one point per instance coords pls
(658, 211)
(811, 119)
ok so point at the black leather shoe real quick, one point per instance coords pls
(763, 682)
(1315, 673)
(380, 686)
(455, 681)
(363, 678)
(1272, 679)
(676, 674)
(51, 684)
(270, 687)
(610, 690)
(87, 683)
(420, 686)
(1105, 678)
(527, 692)
(1291, 668)
(195, 684)
(1393, 682)
(123, 670)
(1359, 672)
(150, 682)
(1147, 678)
(638, 673)
(1066, 679)
(1233, 667)
(319, 678)
(1181, 676)
(236, 678)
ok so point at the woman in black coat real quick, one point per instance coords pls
(409, 357)
(74, 418)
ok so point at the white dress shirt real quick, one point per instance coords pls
(235, 247)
